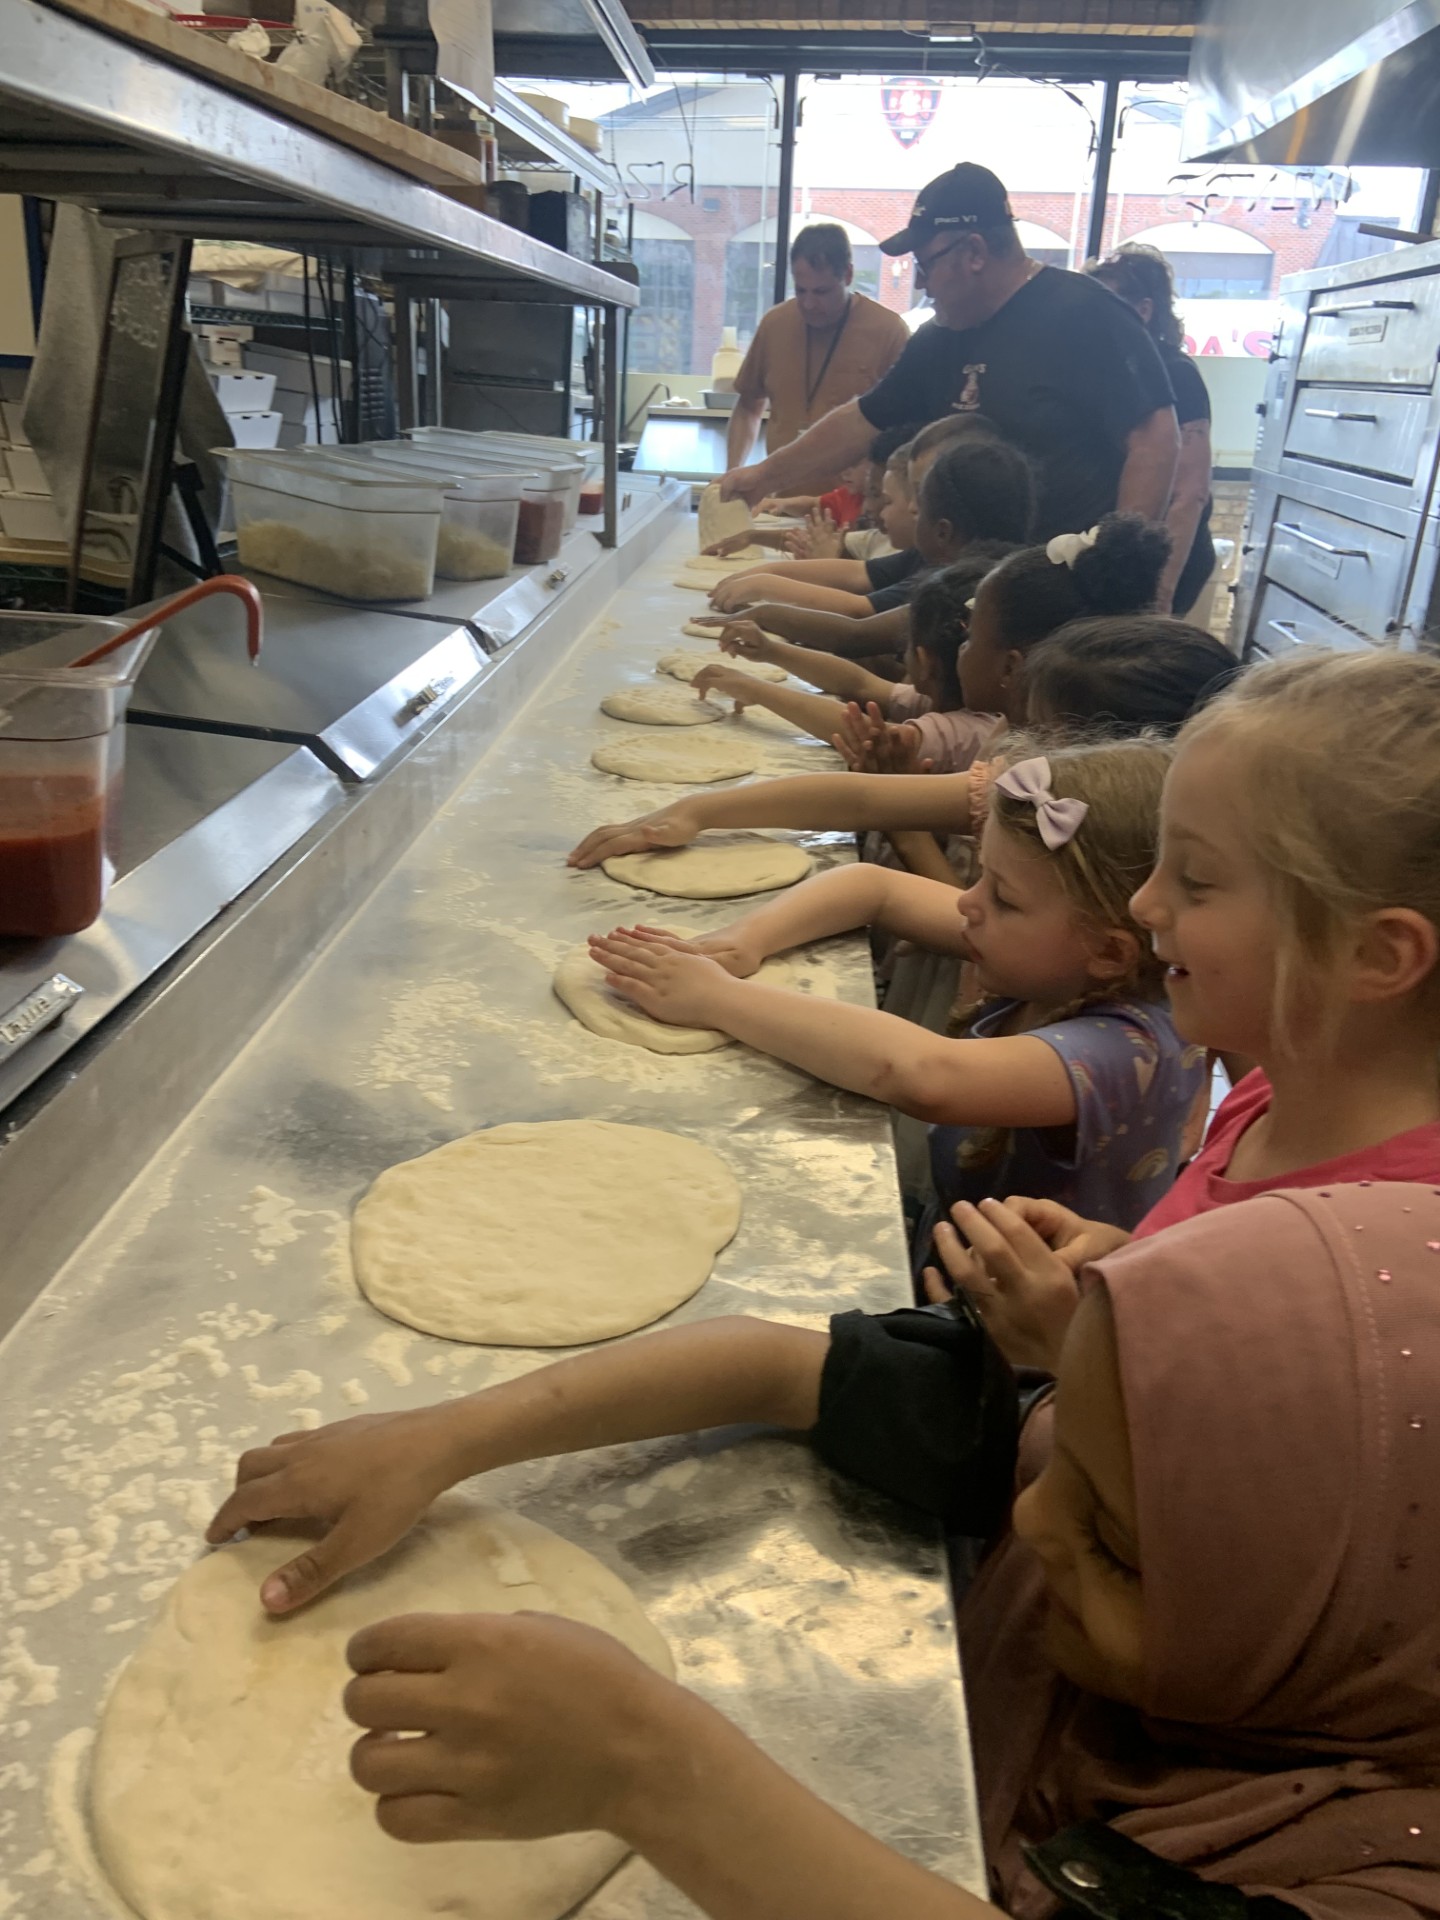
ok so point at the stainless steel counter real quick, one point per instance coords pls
(214, 1304)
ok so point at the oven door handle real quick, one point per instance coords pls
(1311, 540)
(1368, 306)
(1334, 413)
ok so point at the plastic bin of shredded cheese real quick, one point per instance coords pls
(360, 538)
(478, 518)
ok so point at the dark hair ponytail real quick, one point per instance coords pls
(1120, 574)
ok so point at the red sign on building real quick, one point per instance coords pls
(909, 106)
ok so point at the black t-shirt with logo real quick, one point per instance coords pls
(1064, 371)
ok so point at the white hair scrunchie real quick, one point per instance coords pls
(1066, 548)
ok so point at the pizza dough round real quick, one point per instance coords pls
(695, 582)
(545, 1234)
(690, 758)
(698, 631)
(221, 1785)
(714, 871)
(659, 707)
(728, 562)
(580, 983)
(684, 665)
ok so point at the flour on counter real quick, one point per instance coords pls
(387, 1351)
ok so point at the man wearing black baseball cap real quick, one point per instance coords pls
(1060, 367)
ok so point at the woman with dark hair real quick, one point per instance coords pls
(1142, 278)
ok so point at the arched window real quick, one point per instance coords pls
(1052, 249)
(662, 325)
(750, 267)
(1212, 261)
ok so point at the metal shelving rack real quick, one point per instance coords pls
(89, 117)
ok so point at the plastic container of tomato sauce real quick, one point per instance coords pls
(62, 746)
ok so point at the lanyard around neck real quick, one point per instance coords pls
(812, 387)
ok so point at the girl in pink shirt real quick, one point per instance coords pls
(1295, 906)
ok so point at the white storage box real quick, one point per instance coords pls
(255, 429)
(291, 369)
(29, 516)
(10, 412)
(357, 538)
(21, 466)
(242, 392)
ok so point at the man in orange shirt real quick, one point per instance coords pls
(814, 352)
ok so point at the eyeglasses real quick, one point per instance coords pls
(923, 268)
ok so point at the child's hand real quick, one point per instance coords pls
(732, 543)
(679, 988)
(869, 743)
(533, 1725)
(1025, 1294)
(735, 685)
(368, 1480)
(672, 826)
(738, 591)
(737, 955)
(817, 538)
(748, 639)
(1075, 1239)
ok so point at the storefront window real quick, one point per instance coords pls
(697, 157)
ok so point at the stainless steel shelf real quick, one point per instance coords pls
(88, 117)
(542, 143)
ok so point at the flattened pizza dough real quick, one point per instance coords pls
(221, 1785)
(715, 870)
(697, 630)
(728, 562)
(695, 582)
(718, 519)
(544, 1234)
(690, 758)
(684, 665)
(659, 707)
(580, 984)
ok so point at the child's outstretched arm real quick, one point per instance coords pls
(368, 1480)
(1018, 1081)
(853, 632)
(543, 1726)
(833, 902)
(823, 802)
(830, 672)
(811, 711)
(770, 586)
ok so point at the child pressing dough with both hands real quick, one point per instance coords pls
(1114, 676)
(1072, 1081)
(1295, 909)
(1199, 1662)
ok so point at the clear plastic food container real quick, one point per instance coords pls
(62, 754)
(563, 473)
(304, 520)
(478, 515)
(62, 743)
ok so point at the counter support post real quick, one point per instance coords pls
(610, 403)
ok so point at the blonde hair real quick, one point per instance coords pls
(1113, 851)
(1110, 856)
(1341, 765)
